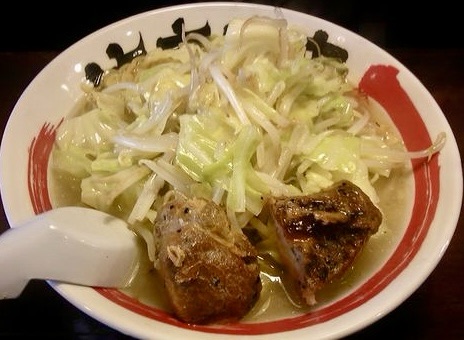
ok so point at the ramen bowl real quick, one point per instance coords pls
(423, 229)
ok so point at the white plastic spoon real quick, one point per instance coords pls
(69, 244)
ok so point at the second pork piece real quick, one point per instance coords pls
(320, 235)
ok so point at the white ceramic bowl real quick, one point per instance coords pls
(429, 225)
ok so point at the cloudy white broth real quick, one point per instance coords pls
(257, 112)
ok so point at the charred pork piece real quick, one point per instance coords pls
(211, 271)
(321, 234)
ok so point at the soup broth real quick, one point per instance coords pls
(247, 123)
(279, 297)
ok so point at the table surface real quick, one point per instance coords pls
(434, 311)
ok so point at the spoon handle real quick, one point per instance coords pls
(73, 245)
(13, 248)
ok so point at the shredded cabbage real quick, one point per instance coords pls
(234, 118)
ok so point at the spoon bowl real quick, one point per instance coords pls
(70, 244)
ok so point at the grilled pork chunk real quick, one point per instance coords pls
(321, 234)
(210, 271)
